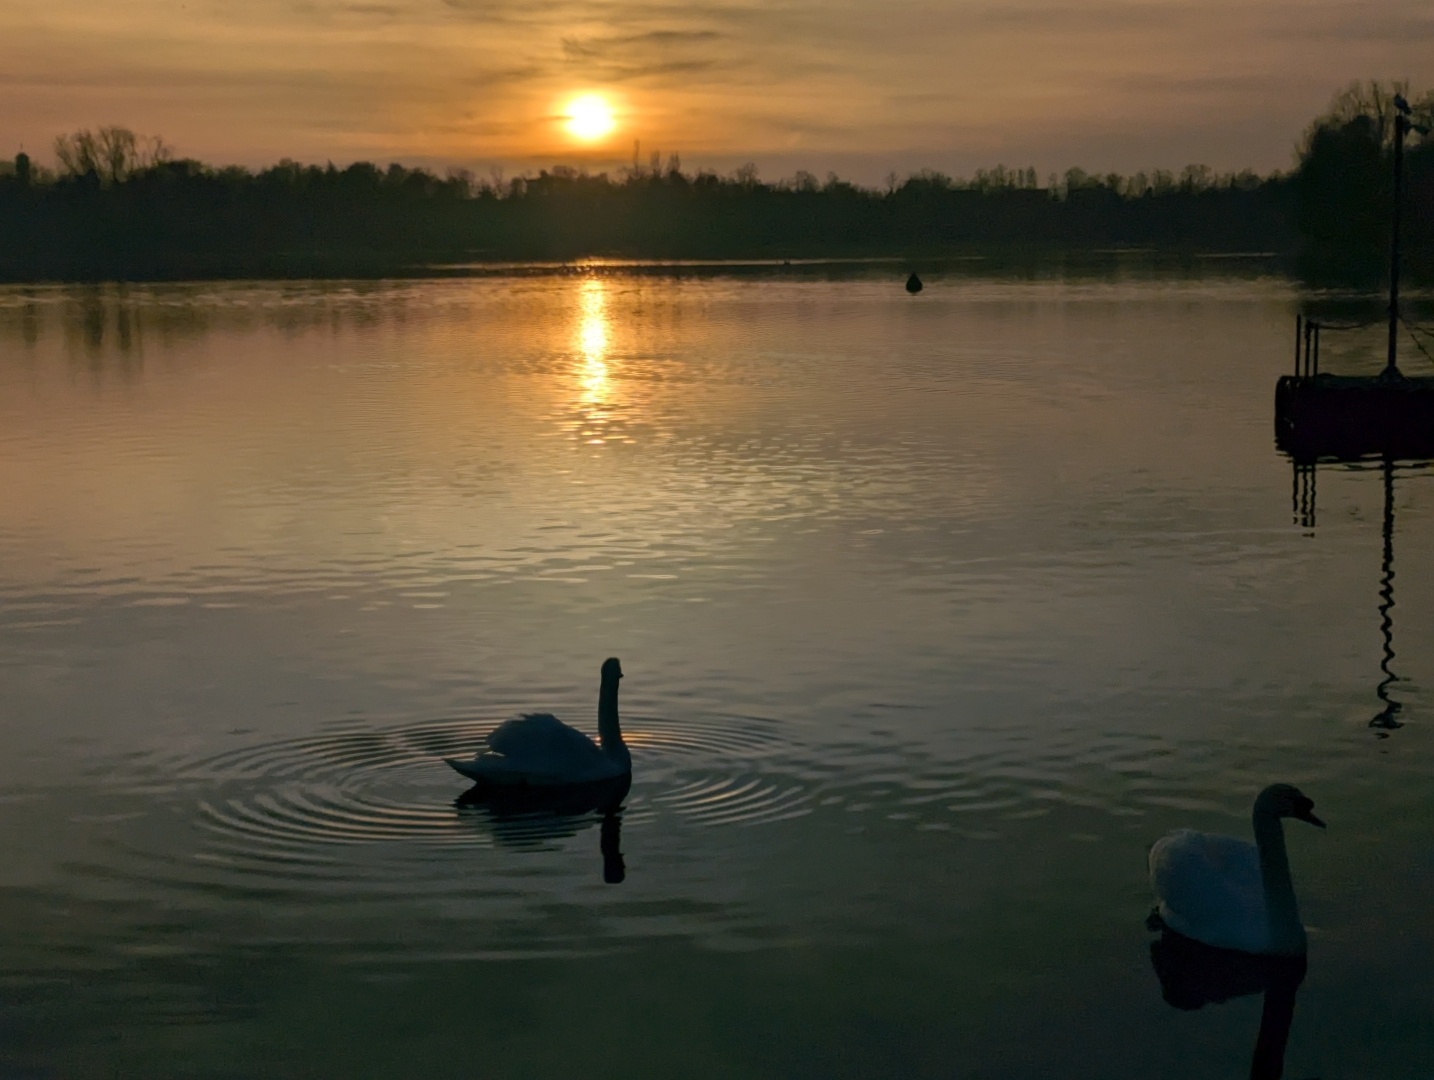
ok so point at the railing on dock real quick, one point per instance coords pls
(1307, 340)
(1351, 416)
(1320, 415)
(1306, 359)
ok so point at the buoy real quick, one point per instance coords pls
(913, 284)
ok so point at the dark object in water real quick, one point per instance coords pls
(913, 285)
(614, 870)
(1353, 416)
(520, 816)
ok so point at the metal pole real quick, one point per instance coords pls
(1391, 370)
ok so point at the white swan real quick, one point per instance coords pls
(1230, 893)
(539, 750)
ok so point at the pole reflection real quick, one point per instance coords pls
(1387, 719)
(1303, 507)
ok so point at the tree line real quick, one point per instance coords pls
(118, 205)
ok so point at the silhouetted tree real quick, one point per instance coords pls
(1345, 184)
(123, 206)
(111, 153)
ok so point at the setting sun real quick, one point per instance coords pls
(589, 117)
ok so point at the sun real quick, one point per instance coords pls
(589, 117)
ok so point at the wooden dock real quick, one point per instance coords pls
(1346, 417)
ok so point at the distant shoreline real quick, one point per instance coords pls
(975, 263)
(120, 207)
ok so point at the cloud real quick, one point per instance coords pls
(649, 42)
(1072, 18)
(908, 82)
(1164, 84)
(650, 54)
(1399, 23)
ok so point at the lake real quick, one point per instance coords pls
(934, 612)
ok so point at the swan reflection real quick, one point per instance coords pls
(529, 817)
(1193, 975)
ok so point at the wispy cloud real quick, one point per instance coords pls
(647, 55)
(951, 83)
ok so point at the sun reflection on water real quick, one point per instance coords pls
(593, 342)
(594, 337)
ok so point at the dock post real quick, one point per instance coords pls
(1299, 320)
(1401, 125)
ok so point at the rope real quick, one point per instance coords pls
(1414, 331)
(1419, 344)
(1343, 326)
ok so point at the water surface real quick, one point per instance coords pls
(935, 611)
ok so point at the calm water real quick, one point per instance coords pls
(934, 611)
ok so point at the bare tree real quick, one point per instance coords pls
(1195, 178)
(112, 153)
(1369, 102)
(802, 181)
(746, 175)
(462, 180)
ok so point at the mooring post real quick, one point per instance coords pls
(1299, 321)
(1401, 125)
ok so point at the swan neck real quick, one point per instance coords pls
(1287, 933)
(609, 731)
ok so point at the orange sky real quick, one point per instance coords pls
(861, 88)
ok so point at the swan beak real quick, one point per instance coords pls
(1308, 815)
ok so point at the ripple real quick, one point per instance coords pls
(278, 804)
(365, 808)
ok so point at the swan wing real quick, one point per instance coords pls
(1210, 889)
(540, 739)
(538, 749)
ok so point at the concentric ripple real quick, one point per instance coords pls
(281, 802)
(361, 810)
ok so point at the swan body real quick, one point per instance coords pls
(1229, 893)
(1210, 889)
(539, 750)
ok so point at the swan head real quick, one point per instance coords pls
(1286, 800)
(609, 731)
